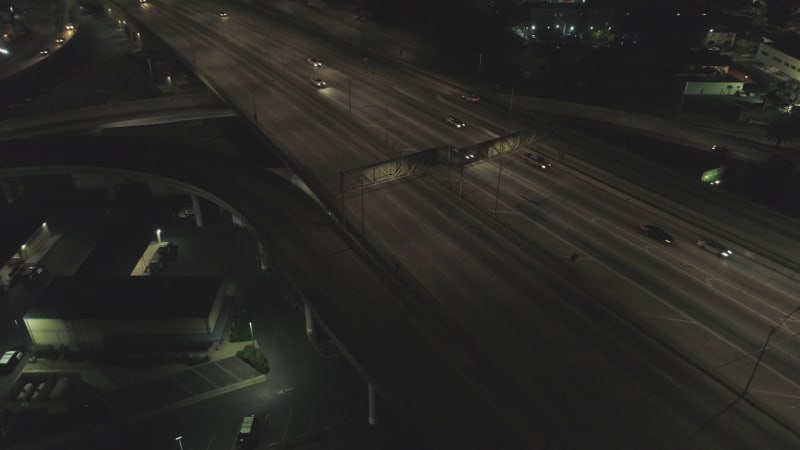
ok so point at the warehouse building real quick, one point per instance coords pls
(135, 313)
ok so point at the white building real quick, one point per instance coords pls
(783, 55)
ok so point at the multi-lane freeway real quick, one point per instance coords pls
(631, 345)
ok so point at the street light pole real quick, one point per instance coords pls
(764, 349)
(252, 335)
(362, 205)
(180, 444)
(497, 192)
(510, 107)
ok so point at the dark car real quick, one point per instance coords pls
(714, 247)
(31, 273)
(27, 273)
(318, 83)
(454, 122)
(361, 18)
(657, 234)
(465, 154)
(537, 161)
(168, 250)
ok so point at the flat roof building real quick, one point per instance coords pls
(128, 312)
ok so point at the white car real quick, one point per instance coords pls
(318, 82)
(454, 122)
(715, 248)
(10, 359)
(314, 62)
(184, 213)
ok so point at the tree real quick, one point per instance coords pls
(783, 130)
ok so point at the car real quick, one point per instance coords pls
(473, 98)
(454, 122)
(465, 154)
(142, 1)
(69, 27)
(714, 247)
(10, 359)
(222, 14)
(59, 40)
(318, 82)
(361, 18)
(536, 160)
(44, 51)
(656, 233)
(314, 62)
(157, 263)
(168, 250)
(184, 213)
(31, 273)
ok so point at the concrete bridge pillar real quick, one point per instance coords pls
(263, 258)
(8, 193)
(371, 404)
(309, 320)
(198, 213)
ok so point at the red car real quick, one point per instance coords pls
(474, 98)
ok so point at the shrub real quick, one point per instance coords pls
(255, 358)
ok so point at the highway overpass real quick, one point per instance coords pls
(630, 346)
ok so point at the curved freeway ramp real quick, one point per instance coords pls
(413, 357)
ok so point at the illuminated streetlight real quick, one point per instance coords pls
(252, 335)
(158, 235)
(180, 444)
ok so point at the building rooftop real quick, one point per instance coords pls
(787, 44)
(145, 297)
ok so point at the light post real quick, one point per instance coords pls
(252, 335)
(497, 191)
(180, 444)
(764, 349)
(510, 107)
(158, 235)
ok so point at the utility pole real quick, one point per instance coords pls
(497, 192)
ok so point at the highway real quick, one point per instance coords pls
(632, 346)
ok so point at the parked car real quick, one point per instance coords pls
(168, 250)
(184, 213)
(714, 247)
(10, 359)
(656, 233)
